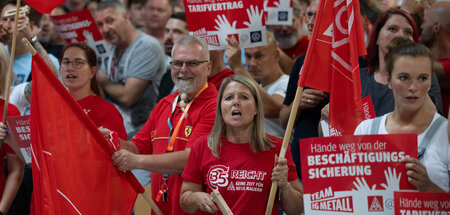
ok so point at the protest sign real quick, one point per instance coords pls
(279, 12)
(19, 126)
(410, 203)
(355, 174)
(214, 21)
(80, 27)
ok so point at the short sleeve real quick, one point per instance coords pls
(204, 125)
(192, 171)
(363, 127)
(8, 149)
(292, 173)
(142, 139)
(293, 80)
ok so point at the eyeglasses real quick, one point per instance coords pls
(76, 64)
(189, 64)
(309, 15)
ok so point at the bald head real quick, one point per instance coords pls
(440, 12)
(271, 42)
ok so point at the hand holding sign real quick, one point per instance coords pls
(392, 181)
(418, 176)
(255, 17)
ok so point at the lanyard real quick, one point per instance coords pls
(172, 136)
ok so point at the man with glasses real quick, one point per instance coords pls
(131, 75)
(162, 146)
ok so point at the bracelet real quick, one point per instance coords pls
(33, 40)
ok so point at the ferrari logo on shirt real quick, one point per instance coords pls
(187, 131)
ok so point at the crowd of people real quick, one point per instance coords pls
(187, 116)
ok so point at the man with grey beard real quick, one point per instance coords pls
(292, 39)
(162, 146)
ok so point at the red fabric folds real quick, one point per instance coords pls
(72, 169)
(44, 6)
(331, 62)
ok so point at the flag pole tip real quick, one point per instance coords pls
(29, 46)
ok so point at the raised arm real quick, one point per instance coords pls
(272, 103)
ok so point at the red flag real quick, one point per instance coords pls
(331, 62)
(72, 169)
(44, 6)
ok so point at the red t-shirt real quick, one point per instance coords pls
(218, 78)
(242, 176)
(299, 49)
(103, 114)
(12, 111)
(153, 138)
(445, 94)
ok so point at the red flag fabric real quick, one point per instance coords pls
(72, 169)
(44, 6)
(331, 62)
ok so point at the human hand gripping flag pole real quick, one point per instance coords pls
(331, 65)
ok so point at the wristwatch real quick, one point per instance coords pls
(32, 40)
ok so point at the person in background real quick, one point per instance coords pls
(409, 71)
(292, 40)
(157, 12)
(238, 143)
(436, 36)
(75, 5)
(78, 69)
(131, 75)
(374, 80)
(92, 5)
(15, 165)
(48, 36)
(22, 59)
(136, 9)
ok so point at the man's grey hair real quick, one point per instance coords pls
(117, 5)
(192, 40)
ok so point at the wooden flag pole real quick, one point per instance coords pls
(11, 61)
(287, 137)
(220, 202)
(152, 204)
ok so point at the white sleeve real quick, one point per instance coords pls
(363, 127)
(17, 98)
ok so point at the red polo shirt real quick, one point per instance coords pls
(153, 138)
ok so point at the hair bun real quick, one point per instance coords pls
(398, 42)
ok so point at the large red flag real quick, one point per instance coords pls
(72, 169)
(44, 6)
(331, 62)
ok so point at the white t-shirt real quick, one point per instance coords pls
(272, 125)
(437, 154)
